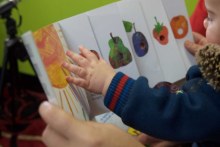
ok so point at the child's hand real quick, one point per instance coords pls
(64, 131)
(200, 42)
(91, 73)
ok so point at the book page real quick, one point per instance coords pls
(141, 41)
(180, 24)
(112, 39)
(51, 47)
(165, 44)
(111, 118)
(77, 31)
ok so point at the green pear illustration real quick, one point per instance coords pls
(119, 55)
(140, 43)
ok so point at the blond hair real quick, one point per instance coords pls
(208, 59)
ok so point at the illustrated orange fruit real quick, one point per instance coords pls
(179, 26)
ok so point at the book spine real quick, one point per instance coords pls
(38, 66)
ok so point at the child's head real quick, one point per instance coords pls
(212, 22)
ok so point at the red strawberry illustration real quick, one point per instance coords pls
(160, 33)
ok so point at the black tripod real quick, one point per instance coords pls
(14, 50)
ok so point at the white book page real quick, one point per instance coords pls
(166, 47)
(180, 24)
(77, 31)
(145, 55)
(111, 118)
(112, 39)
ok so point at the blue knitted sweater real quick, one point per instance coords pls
(190, 113)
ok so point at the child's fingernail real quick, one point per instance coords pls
(64, 63)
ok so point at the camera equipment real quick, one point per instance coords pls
(13, 46)
(7, 5)
(14, 49)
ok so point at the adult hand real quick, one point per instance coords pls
(156, 142)
(64, 131)
(91, 73)
(199, 42)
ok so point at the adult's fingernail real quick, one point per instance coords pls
(45, 105)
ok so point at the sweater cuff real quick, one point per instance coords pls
(117, 93)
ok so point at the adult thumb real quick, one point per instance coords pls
(57, 119)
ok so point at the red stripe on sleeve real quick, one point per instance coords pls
(117, 92)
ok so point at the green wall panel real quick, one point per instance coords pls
(190, 5)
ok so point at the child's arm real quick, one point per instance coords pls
(185, 114)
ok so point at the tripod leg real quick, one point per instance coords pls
(10, 70)
(3, 75)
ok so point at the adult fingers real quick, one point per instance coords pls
(52, 139)
(192, 47)
(143, 139)
(58, 120)
(199, 42)
(199, 39)
(146, 139)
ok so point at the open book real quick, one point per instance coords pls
(137, 37)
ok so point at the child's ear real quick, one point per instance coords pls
(208, 59)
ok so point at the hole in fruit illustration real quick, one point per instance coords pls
(140, 43)
(119, 54)
(162, 38)
(180, 31)
(160, 32)
(96, 53)
(179, 26)
(143, 45)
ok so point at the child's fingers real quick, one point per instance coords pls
(87, 53)
(78, 81)
(79, 71)
(78, 59)
(52, 139)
